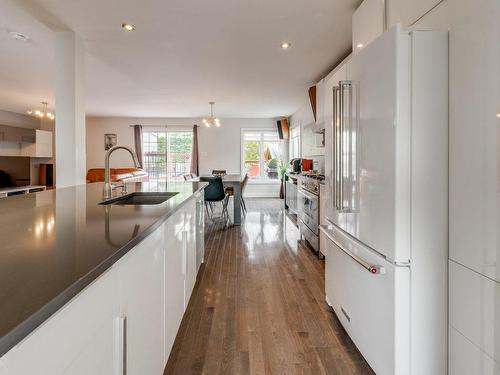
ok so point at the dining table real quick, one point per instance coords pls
(234, 181)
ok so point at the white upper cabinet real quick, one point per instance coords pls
(367, 23)
(43, 144)
(407, 12)
(41, 148)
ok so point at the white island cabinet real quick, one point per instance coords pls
(126, 321)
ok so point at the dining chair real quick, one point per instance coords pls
(230, 193)
(219, 172)
(214, 193)
(243, 187)
(188, 176)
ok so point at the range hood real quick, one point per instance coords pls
(312, 100)
(316, 98)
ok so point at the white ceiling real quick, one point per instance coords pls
(183, 54)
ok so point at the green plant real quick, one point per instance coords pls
(282, 168)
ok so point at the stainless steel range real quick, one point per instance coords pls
(308, 207)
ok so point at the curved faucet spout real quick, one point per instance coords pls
(107, 190)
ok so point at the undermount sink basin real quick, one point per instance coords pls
(140, 198)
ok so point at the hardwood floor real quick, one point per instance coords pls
(258, 305)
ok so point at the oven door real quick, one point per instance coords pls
(308, 206)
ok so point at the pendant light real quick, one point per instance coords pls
(211, 121)
(44, 112)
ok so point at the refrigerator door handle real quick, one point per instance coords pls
(336, 148)
(341, 147)
(348, 139)
(372, 268)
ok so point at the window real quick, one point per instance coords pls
(167, 154)
(295, 142)
(260, 154)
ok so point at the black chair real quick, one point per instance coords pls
(218, 172)
(215, 193)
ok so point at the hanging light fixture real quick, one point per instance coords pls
(44, 112)
(211, 121)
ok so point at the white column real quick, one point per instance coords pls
(70, 109)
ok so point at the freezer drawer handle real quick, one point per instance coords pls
(373, 269)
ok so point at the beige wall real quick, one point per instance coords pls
(219, 147)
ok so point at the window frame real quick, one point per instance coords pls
(261, 141)
(168, 158)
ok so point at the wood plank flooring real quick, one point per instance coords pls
(259, 307)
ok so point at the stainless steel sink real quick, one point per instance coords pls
(140, 198)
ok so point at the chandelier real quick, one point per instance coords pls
(211, 121)
(44, 112)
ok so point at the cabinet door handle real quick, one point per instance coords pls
(121, 345)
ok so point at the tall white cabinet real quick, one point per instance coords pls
(474, 179)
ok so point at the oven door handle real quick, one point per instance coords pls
(307, 194)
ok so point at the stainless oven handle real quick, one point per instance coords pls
(372, 268)
(307, 194)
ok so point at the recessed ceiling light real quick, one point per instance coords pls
(128, 27)
(285, 45)
(18, 36)
(360, 45)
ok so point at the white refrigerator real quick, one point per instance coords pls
(386, 263)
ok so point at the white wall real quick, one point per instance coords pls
(219, 148)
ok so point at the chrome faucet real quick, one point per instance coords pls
(108, 187)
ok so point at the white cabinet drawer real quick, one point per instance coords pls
(474, 308)
(467, 359)
(370, 306)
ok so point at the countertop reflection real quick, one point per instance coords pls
(56, 242)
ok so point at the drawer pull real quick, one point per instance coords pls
(345, 314)
(373, 269)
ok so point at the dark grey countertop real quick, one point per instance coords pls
(54, 243)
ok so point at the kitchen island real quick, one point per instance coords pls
(96, 288)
